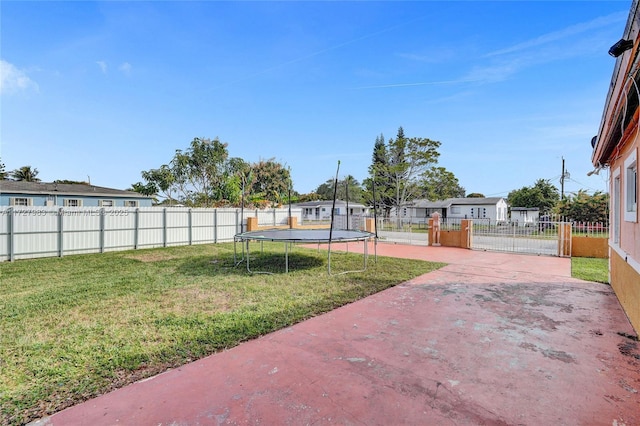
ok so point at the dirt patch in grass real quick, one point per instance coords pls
(206, 300)
(153, 256)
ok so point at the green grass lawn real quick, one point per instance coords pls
(590, 269)
(75, 327)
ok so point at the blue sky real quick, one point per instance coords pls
(108, 89)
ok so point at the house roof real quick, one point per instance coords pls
(439, 204)
(340, 203)
(622, 100)
(443, 204)
(76, 189)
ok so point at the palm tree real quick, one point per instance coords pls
(25, 173)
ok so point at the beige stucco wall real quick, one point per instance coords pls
(461, 238)
(625, 281)
(590, 247)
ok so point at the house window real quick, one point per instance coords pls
(631, 188)
(106, 203)
(19, 201)
(131, 203)
(615, 202)
(455, 209)
(73, 202)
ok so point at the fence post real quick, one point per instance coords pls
(102, 219)
(275, 221)
(370, 225)
(164, 227)
(10, 239)
(189, 224)
(136, 228)
(430, 238)
(60, 232)
(466, 227)
(564, 239)
(215, 226)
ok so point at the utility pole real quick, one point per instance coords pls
(565, 175)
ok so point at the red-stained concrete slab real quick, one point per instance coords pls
(489, 339)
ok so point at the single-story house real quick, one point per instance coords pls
(321, 210)
(22, 193)
(493, 209)
(616, 147)
(524, 216)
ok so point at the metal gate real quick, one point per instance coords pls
(540, 238)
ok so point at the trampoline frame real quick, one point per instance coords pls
(302, 236)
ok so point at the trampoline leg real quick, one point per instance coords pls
(248, 256)
(235, 257)
(286, 258)
(366, 253)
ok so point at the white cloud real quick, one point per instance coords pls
(125, 68)
(103, 66)
(493, 73)
(13, 80)
(573, 30)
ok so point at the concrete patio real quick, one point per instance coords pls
(490, 339)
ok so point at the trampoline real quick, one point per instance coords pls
(299, 236)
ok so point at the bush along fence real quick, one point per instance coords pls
(30, 232)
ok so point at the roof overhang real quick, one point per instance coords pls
(620, 115)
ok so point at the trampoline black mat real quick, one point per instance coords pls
(305, 235)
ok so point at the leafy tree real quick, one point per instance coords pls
(398, 166)
(303, 198)
(583, 207)
(325, 190)
(543, 194)
(199, 171)
(439, 184)
(271, 181)
(203, 175)
(159, 182)
(148, 189)
(348, 188)
(239, 178)
(380, 177)
(25, 173)
(475, 195)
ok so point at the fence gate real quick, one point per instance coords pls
(540, 238)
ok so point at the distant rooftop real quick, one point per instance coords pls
(50, 188)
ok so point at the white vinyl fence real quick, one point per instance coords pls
(30, 232)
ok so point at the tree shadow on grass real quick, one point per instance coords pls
(274, 263)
